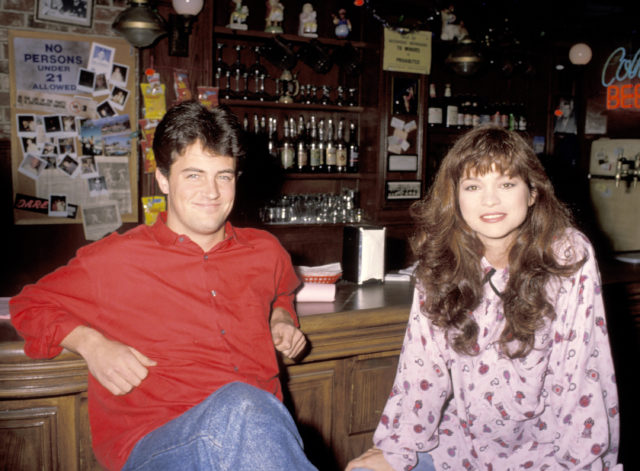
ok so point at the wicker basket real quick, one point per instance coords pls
(321, 278)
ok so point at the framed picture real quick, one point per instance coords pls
(403, 190)
(71, 12)
(405, 95)
(402, 163)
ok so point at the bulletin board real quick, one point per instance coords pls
(73, 147)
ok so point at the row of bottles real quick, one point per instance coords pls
(315, 145)
(465, 111)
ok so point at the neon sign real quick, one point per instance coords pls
(620, 68)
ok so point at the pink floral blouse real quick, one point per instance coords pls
(555, 409)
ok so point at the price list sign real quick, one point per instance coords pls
(410, 52)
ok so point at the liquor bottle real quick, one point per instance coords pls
(462, 112)
(272, 141)
(302, 147)
(522, 119)
(256, 123)
(434, 111)
(330, 154)
(263, 126)
(322, 145)
(342, 149)
(354, 149)
(315, 152)
(467, 121)
(287, 149)
(245, 123)
(475, 114)
(450, 108)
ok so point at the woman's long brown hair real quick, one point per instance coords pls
(449, 253)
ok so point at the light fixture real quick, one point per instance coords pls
(465, 59)
(580, 54)
(139, 24)
(181, 24)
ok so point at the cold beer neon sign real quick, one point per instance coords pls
(617, 69)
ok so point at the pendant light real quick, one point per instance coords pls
(465, 59)
(139, 24)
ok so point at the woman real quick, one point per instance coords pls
(506, 363)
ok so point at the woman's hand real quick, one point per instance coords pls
(372, 460)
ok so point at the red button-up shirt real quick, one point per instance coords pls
(203, 317)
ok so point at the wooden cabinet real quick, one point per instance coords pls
(338, 391)
(43, 412)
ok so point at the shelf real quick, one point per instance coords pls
(330, 176)
(290, 106)
(261, 35)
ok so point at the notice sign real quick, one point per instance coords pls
(49, 65)
(409, 52)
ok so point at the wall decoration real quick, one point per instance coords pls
(72, 106)
(402, 163)
(405, 95)
(403, 190)
(76, 12)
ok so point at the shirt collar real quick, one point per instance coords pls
(166, 236)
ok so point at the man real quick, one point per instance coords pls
(177, 322)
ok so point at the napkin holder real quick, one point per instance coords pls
(363, 254)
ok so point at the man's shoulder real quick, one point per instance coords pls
(115, 241)
(256, 236)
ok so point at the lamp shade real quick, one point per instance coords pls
(465, 59)
(139, 25)
(187, 7)
(580, 54)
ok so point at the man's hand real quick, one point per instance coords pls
(372, 459)
(117, 367)
(287, 338)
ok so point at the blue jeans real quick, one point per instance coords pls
(425, 463)
(239, 427)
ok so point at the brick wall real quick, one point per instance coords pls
(19, 14)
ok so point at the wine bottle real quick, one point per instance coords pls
(330, 149)
(342, 150)
(451, 107)
(287, 149)
(322, 146)
(302, 147)
(354, 149)
(315, 152)
(434, 110)
(272, 140)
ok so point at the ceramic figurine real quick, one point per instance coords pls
(275, 16)
(450, 29)
(308, 26)
(343, 25)
(238, 18)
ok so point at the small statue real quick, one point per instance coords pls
(308, 26)
(451, 30)
(275, 16)
(288, 86)
(238, 18)
(343, 25)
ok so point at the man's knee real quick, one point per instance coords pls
(242, 396)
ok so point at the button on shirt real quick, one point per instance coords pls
(203, 319)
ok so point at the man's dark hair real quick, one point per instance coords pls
(217, 130)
